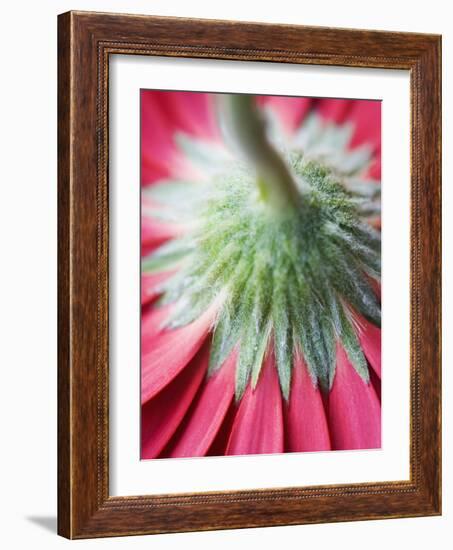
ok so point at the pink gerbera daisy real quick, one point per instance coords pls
(260, 274)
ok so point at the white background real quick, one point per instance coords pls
(28, 275)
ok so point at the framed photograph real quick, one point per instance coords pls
(249, 275)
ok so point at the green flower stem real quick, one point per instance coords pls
(244, 123)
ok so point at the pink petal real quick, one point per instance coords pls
(191, 112)
(157, 146)
(370, 339)
(258, 426)
(376, 286)
(306, 423)
(152, 320)
(220, 442)
(289, 110)
(374, 171)
(376, 382)
(150, 285)
(208, 413)
(366, 117)
(155, 232)
(334, 110)
(159, 155)
(354, 409)
(165, 355)
(162, 415)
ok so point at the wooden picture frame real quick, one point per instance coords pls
(85, 42)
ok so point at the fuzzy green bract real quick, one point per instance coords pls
(289, 281)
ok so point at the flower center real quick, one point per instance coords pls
(295, 278)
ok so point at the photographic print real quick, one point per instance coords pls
(260, 278)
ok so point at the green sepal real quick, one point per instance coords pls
(283, 345)
(223, 341)
(309, 133)
(260, 351)
(174, 192)
(253, 345)
(369, 258)
(353, 348)
(202, 153)
(166, 256)
(314, 335)
(369, 209)
(355, 161)
(249, 345)
(348, 279)
(188, 309)
(230, 321)
(369, 189)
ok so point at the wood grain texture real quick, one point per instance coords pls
(85, 41)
